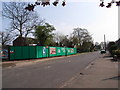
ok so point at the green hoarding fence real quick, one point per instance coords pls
(22, 52)
(32, 52)
(41, 51)
(18, 53)
(60, 51)
(57, 51)
(25, 52)
(70, 51)
(38, 52)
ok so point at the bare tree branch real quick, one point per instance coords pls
(20, 19)
(6, 38)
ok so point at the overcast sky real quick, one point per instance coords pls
(84, 14)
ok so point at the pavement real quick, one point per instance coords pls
(102, 73)
(20, 63)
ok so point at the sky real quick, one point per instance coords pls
(83, 14)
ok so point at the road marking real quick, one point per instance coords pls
(47, 67)
(69, 61)
(69, 82)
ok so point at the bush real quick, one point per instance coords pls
(116, 52)
(111, 46)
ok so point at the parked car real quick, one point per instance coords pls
(4, 54)
(78, 51)
(102, 51)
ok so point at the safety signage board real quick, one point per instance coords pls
(44, 51)
(52, 50)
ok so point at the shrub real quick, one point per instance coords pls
(116, 52)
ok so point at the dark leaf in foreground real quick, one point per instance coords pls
(37, 3)
(109, 5)
(30, 7)
(118, 3)
(102, 4)
(55, 3)
(63, 4)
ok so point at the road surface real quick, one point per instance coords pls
(48, 74)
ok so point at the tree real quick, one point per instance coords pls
(60, 39)
(111, 46)
(21, 20)
(82, 38)
(5, 38)
(74, 40)
(65, 41)
(44, 34)
(82, 35)
(97, 46)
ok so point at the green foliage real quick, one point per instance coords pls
(112, 46)
(44, 34)
(118, 43)
(116, 52)
(97, 46)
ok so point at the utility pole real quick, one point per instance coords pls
(104, 42)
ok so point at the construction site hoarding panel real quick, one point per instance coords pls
(18, 52)
(32, 52)
(25, 52)
(11, 53)
(39, 51)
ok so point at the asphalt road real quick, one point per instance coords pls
(47, 74)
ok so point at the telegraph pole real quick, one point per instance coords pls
(104, 42)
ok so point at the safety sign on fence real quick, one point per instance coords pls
(44, 50)
(52, 50)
